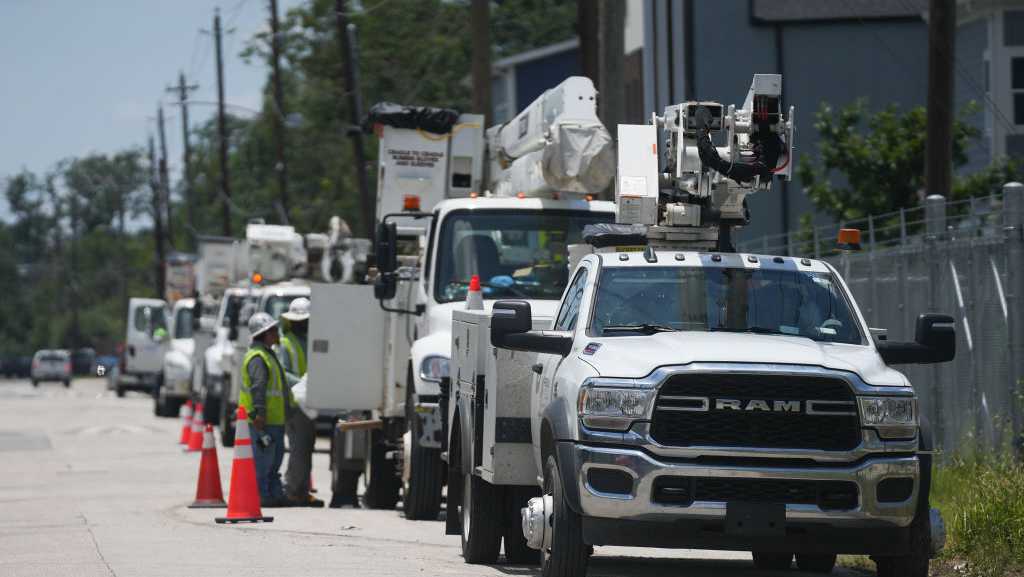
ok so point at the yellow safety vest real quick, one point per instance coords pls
(275, 386)
(295, 352)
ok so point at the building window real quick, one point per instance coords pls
(1013, 28)
(1017, 88)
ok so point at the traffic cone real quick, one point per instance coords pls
(208, 491)
(474, 297)
(186, 422)
(195, 440)
(244, 497)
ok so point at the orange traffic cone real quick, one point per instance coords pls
(186, 422)
(244, 498)
(208, 492)
(195, 440)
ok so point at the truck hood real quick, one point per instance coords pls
(637, 356)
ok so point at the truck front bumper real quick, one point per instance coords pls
(637, 515)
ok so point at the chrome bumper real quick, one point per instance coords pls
(644, 469)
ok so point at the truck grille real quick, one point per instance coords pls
(828, 495)
(757, 411)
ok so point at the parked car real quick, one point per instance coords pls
(83, 362)
(105, 364)
(51, 365)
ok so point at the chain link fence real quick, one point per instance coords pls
(963, 258)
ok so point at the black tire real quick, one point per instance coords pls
(481, 519)
(227, 425)
(772, 561)
(569, 555)
(382, 482)
(915, 563)
(67, 384)
(35, 383)
(119, 391)
(816, 563)
(516, 550)
(421, 496)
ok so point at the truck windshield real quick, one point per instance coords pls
(517, 253)
(183, 323)
(278, 304)
(642, 300)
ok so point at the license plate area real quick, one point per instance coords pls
(755, 519)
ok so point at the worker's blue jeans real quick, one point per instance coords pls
(268, 462)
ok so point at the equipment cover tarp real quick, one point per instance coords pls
(436, 120)
(580, 158)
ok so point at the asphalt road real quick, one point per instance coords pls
(94, 485)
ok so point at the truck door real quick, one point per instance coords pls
(147, 335)
(545, 385)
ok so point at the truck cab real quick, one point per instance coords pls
(175, 384)
(145, 343)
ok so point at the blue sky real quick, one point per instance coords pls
(83, 76)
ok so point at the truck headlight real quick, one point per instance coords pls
(613, 409)
(434, 368)
(894, 417)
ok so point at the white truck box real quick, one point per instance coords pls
(507, 451)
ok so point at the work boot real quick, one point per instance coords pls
(305, 501)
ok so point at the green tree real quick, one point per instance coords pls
(872, 162)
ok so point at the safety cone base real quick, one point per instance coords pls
(233, 520)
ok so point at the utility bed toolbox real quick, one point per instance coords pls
(498, 381)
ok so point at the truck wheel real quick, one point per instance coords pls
(227, 425)
(67, 384)
(816, 563)
(421, 497)
(35, 383)
(915, 563)
(382, 483)
(118, 390)
(516, 550)
(568, 555)
(772, 561)
(481, 519)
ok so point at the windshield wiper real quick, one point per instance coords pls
(644, 328)
(755, 330)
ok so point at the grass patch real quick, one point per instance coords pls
(982, 502)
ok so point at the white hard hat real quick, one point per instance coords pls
(260, 323)
(298, 310)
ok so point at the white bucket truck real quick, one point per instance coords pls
(514, 237)
(688, 396)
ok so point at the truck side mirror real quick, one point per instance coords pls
(511, 324)
(196, 325)
(934, 342)
(387, 247)
(233, 313)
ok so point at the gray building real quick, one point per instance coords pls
(834, 52)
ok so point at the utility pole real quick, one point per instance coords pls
(347, 41)
(158, 219)
(611, 85)
(939, 141)
(165, 180)
(222, 131)
(587, 28)
(480, 23)
(182, 90)
(279, 111)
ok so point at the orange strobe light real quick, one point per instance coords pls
(411, 202)
(848, 239)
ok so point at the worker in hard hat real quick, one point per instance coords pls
(264, 396)
(300, 427)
